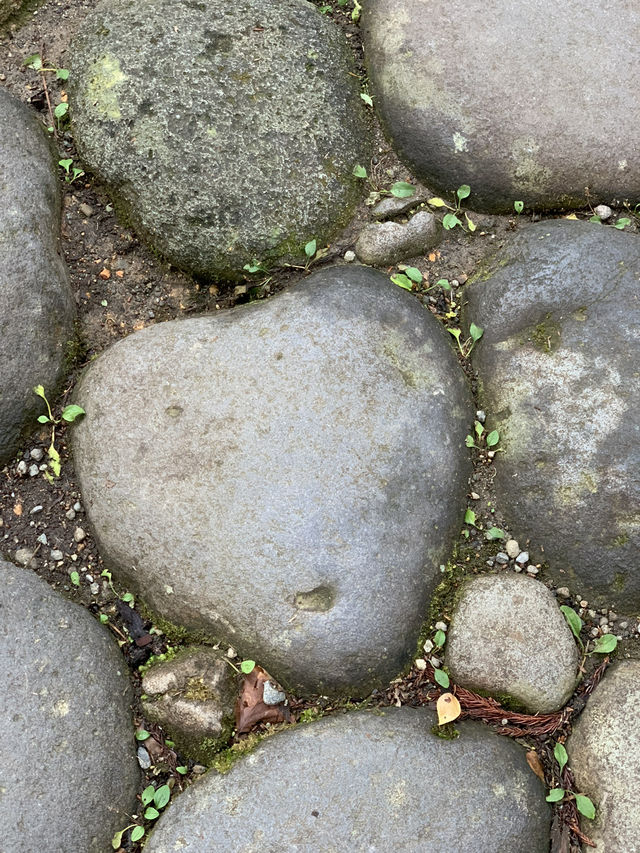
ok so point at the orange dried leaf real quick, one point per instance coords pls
(448, 709)
(533, 760)
(105, 273)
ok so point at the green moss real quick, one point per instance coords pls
(177, 635)
(224, 760)
(545, 336)
(197, 691)
(619, 541)
(619, 582)
(446, 732)
(154, 660)
(102, 87)
(487, 268)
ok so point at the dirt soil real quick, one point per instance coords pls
(120, 286)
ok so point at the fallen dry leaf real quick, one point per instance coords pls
(251, 709)
(533, 760)
(448, 708)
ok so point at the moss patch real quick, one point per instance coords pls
(545, 337)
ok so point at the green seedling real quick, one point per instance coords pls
(36, 63)
(485, 440)
(466, 347)
(451, 219)
(602, 646)
(154, 800)
(622, 223)
(74, 577)
(399, 189)
(72, 174)
(69, 415)
(246, 666)
(312, 254)
(494, 533)
(518, 206)
(137, 832)
(583, 803)
(366, 97)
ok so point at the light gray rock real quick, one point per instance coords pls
(288, 475)
(387, 242)
(558, 365)
(508, 637)
(68, 775)
(240, 144)
(365, 782)
(36, 306)
(192, 697)
(539, 127)
(391, 206)
(603, 754)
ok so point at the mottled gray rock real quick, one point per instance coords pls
(544, 123)
(68, 775)
(239, 144)
(287, 475)
(392, 206)
(365, 782)
(558, 363)
(603, 754)
(192, 697)
(36, 306)
(508, 637)
(387, 242)
(8, 8)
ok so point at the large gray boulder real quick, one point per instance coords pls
(603, 754)
(287, 475)
(228, 131)
(367, 781)
(36, 305)
(68, 773)
(508, 638)
(559, 373)
(504, 102)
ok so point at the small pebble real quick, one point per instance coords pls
(603, 211)
(89, 578)
(240, 290)
(523, 558)
(37, 454)
(512, 548)
(591, 613)
(481, 415)
(79, 535)
(505, 721)
(435, 662)
(501, 557)
(198, 769)
(42, 539)
(70, 514)
(95, 588)
(144, 760)
(584, 603)
(563, 591)
(595, 632)
(271, 695)
(36, 510)
(24, 556)
(57, 555)
(21, 467)
(533, 570)
(420, 663)
(517, 568)
(612, 616)
(622, 625)
(231, 652)
(441, 626)
(86, 210)
(349, 256)
(77, 506)
(490, 563)
(33, 470)
(428, 646)
(603, 621)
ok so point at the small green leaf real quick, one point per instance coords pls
(401, 189)
(622, 223)
(436, 202)
(247, 666)
(75, 578)
(463, 192)
(443, 283)
(162, 796)
(65, 164)
(310, 248)
(595, 218)
(33, 61)
(61, 110)
(151, 813)
(478, 428)
(62, 73)
(103, 302)
(359, 171)
(471, 225)
(116, 841)
(494, 533)
(402, 281)
(147, 795)
(604, 645)
(72, 412)
(561, 755)
(585, 806)
(169, 743)
(441, 677)
(455, 332)
(414, 274)
(142, 734)
(137, 832)
(449, 221)
(469, 441)
(475, 332)
(555, 795)
(439, 639)
(470, 517)
(182, 770)
(39, 390)
(493, 438)
(104, 618)
(573, 620)
(366, 98)
(518, 206)
(53, 454)
(128, 598)
(43, 419)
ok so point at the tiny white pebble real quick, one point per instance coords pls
(441, 626)
(421, 663)
(349, 256)
(79, 535)
(428, 646)
(231, 652)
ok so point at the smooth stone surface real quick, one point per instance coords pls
(288, 475)
(365, 782)
(603, 754)
(68, 774)
(192, 697)
(240, 144)
(560, 377)
(387, 242)
(508, 637)
(505, 103)
(36, 306)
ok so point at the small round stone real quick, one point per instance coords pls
(33, 470)
(512, 548)
(603, 211)
(441, 626)
(79, 535)
(349, 256)
(563, 591)
(21, 467)
(37, 454)
(144, 759)
(57, 555)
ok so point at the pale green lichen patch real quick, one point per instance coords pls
(102, 88)
(529, 176)
(545, 336)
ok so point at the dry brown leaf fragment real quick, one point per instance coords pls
(448, 709)
(533, 760)
(250, 707)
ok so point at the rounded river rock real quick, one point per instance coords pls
(228, 131)
(286, 475)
